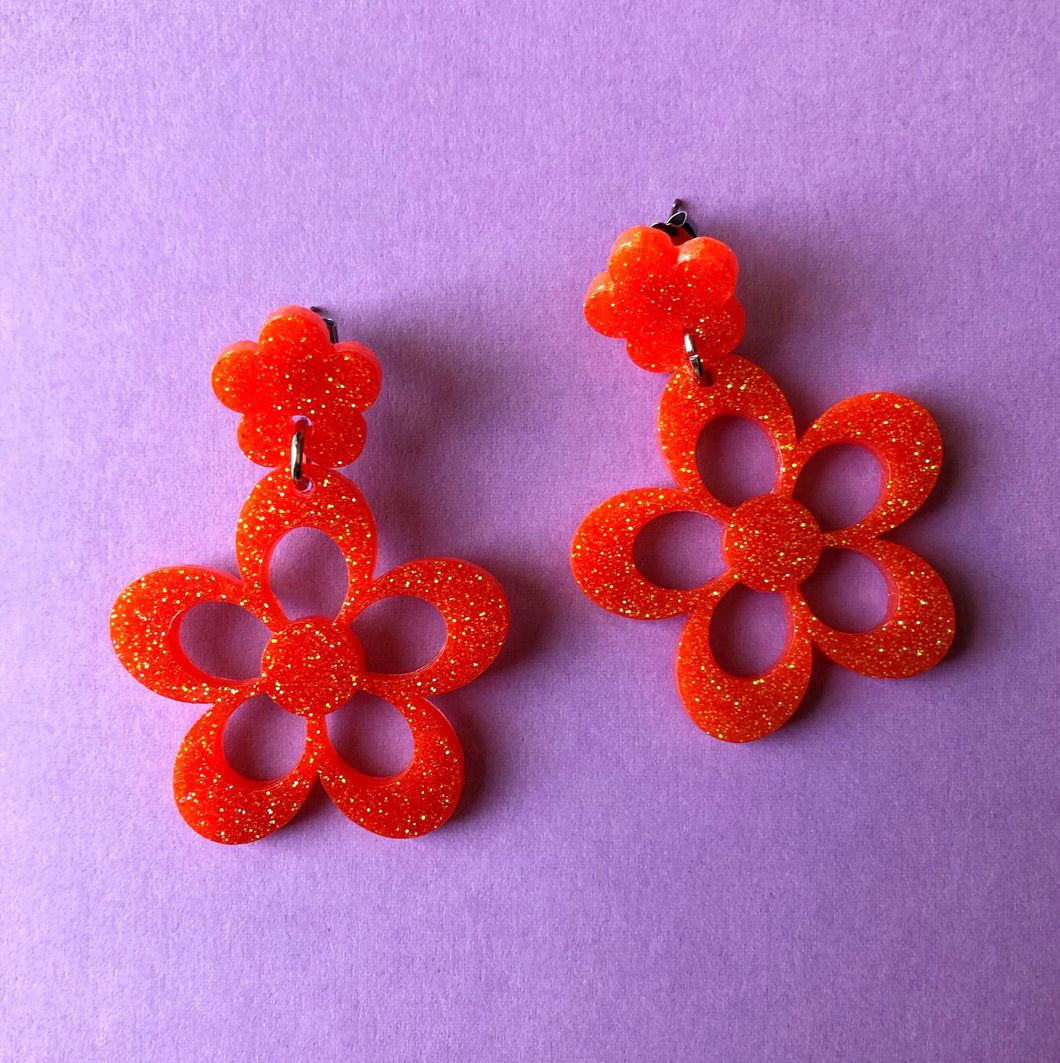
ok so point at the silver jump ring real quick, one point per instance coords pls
(695, 363)
(298, 451)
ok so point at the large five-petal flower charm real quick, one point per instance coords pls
(771, 542)
(311, 667)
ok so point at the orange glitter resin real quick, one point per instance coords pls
(654, 291)
(293, 371)
(772, 542)
(313, 665)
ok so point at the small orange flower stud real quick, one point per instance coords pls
(302, 394)
(671, 299)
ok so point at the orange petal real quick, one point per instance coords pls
(265, 437)
(919, 625)
(718, 330)
(602, 554)
(145, 630)
(640, 255)
(276, 506)
(903, 437)
(657, 346)
(599, 307)
(234, 375)
(476, 623)
(741, 708)
(290, 328)
(738, 389)
(416, 800)
(219, 803)
(709, 267)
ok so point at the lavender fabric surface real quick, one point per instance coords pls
(876, 881)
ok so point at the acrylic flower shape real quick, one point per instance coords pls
(295, 371)
(311, 667)
(772, 543)
(655, 291)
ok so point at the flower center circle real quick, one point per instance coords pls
(312, 667)
(772, 543)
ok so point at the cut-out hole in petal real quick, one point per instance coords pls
(400, 634)
(371, 736)
(224, 640)
(679, 550)
(735, 459)
(839, 484)
(847, 591)
(748, 631)
(307, 573)
(262, 741)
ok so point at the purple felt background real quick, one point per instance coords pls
(877, 881)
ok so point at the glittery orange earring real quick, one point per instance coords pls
(302, 395)
(670, 296)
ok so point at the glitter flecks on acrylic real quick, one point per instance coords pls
(313, 665)
(655, 294)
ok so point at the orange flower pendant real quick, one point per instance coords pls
(300, 391)
(672, 300)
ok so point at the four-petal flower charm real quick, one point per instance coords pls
(311, 667)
